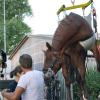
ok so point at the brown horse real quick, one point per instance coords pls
(68, 51)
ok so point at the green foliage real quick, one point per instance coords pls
(16, 10)
(76, 91)
(92, 83)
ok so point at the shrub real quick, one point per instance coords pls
(92, 83)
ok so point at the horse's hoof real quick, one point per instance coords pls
(84, 98)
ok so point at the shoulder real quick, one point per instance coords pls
(12, 85)
(37, 72)
(12, 82)
(23, 81)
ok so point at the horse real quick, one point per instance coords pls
(71, 41)
(3, 59)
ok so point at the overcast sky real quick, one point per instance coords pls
(45, 20)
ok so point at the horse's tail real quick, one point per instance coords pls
(96, 54)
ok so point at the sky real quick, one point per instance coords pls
(45, 19)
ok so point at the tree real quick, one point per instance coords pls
(16, 10)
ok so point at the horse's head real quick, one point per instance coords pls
(52, 61)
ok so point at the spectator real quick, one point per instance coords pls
(16, 73)
(30, 85)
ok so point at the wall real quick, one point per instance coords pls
(33, 46)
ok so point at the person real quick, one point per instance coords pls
(3, 59)
(16, 73)
(30, 85)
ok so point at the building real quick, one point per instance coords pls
(33, 45)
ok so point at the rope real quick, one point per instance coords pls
(73, 2)
(83, 9)
(58, 20)
(64, 13)
(94, 19)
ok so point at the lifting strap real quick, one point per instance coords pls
(83, 6)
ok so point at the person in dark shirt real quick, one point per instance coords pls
(16, 73)
(12, 86)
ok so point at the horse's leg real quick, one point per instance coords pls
(96, 55)
(80, 72)
(80, 77)
(66, 75)
(81, 83)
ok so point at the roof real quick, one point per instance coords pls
(18, 47)
(25, 38)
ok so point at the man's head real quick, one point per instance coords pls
(25, 61)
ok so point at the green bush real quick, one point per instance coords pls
(92, 83)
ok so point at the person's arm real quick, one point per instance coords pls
(13, 95)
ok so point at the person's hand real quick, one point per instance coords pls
(3, 91)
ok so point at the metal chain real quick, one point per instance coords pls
(52, 92)
(53, 89)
